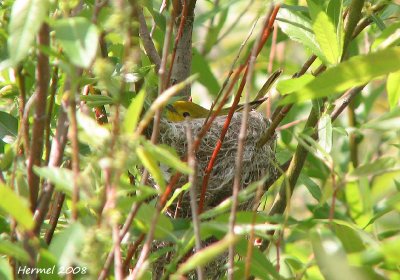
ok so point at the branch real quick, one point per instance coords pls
(43, 78)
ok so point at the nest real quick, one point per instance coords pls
(257, 161)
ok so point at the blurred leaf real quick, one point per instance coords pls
(168, 158)
(325, 133)
(214, 31)
(260, 265)
(67, 244)
(27, 17)
(8, 127)
(354, 72)
(291, 85)
(351, 240)
(331, 257)
(311, 186)
(14, 250)
(133, 113)
(390, 36)
(298, 28)
(144, 218)
(200, 19)
(379, 166)
(48, 260)
(384, 207)
(175, 195)
(207, 254)
(96, 100)
(206, 76)
(91, 132)
(393, 89)
(78, 38)
(62, 178)
(5, 269)
(150, 163)
(356, 197)
(15, 206)
(388, 121)
(378, 21)
(325, 33)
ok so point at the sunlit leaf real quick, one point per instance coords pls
(15, 206)
(150, 163)
(133, 113)
(27, 17)
(298, 28)
(351, 73)
(78, 38)
(393, 89)
(325, 32)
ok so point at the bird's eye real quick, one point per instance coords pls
(186, 114)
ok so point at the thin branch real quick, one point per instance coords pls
(239, 155)
(43, 77)
(148, 43)
(55, 159)
(193, 195)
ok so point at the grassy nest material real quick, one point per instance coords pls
(257, 161)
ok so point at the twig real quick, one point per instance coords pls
(20, 77)
(148, 42)
(193, 195)
(54, 216)
(43, 77)
(73, 137)
(55, 159)
(53, 90)
(131, 251)
(239, 156)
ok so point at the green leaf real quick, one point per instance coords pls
(62, 178)
(79, 39)
(163, 155)
(325, 133)
(258, 260)
(393, 89)
(67, 244)
(350, 238)
(207, 254)
(27, 17)
(389, 37)
(311, 186)
(206, 77)
(298, 28)
(325, 33)
(291, 85)
(379, 166)
(8, 127)
(143, 219)
(150, 163)
(358, 198)
(133, 113)
(96, 100)
(14, 250)
(386, 122)
(91, 132)
(354, 72)
(5, 269)
(16, 206)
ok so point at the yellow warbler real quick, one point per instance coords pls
(179, 110)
